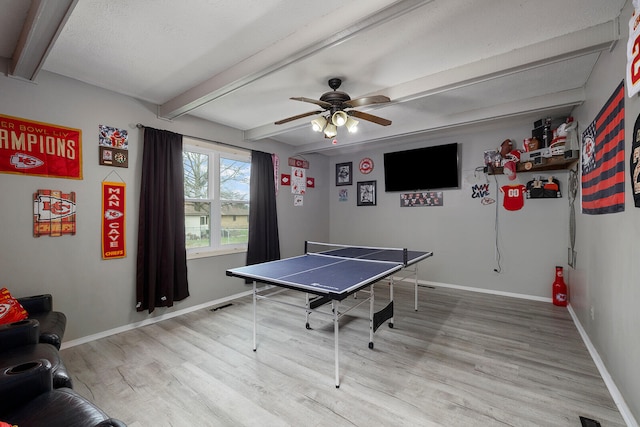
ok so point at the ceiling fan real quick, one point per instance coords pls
(336, 103)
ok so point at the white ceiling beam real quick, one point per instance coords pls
(338, 27)
(525, 107)
(43, 25)
(579, 43)
(584, 42)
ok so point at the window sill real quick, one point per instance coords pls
(205, 253)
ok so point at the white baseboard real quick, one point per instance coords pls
(479, 290)
(613, 389)
(611, 386)
(89, 338)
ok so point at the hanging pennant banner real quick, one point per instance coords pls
(276, 171)
(113, 220)
(298, 163)
(34, 148)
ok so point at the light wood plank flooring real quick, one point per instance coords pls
(463, 359)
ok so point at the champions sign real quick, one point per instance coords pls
(34, 148)
(113, 230)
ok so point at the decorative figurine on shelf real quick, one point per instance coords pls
(532, 144)
(505, 148)
(564, 137)
(558, 141)
(570, 127)
(510, 166)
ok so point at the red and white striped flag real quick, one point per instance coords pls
(603, 159)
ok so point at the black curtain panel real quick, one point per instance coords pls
(162, 257)
(264, 243)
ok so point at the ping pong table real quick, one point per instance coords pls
(331, 275)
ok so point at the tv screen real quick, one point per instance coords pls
(428, 168)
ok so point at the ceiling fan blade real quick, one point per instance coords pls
(323, 104)
(299, 116)
(367, 100)
(369, 117)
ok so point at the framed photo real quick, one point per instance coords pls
(343, 173)
(421, 198)
(367, 193)
(114, 157)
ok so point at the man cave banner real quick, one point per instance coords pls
(603, 159)
(113, 220)
(34, 148)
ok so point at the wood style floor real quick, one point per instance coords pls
(463, 359)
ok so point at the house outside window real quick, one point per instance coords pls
(216, 188)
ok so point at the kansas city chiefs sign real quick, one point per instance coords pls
(28, 147)
(48, 207)
(113, 220)
(54, 213)
(25, 161)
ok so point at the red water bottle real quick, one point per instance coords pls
(560, 289)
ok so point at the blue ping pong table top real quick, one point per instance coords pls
(338, 276)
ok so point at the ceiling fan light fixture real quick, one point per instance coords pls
(330, 131)
(351, 125)
(339, 118)
(333, 104)
(318, 124)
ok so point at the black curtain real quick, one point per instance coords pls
(162, 257)
(264, 243)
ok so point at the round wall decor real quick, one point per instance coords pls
(366, 165)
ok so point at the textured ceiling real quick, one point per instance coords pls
(444, 64)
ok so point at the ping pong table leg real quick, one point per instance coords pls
(391, 298)
(255, 303)
(371, 325)
(334, 308)
(308, 306)
(415, 278)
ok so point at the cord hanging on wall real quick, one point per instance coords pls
(110, 173)
(498, 269)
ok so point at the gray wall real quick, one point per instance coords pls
(95, 294)
(98, 295)
(606, 277)
(461, 233)
(532, 241)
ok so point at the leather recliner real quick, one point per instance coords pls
(19, 343)
(52, 323)
(29, 399)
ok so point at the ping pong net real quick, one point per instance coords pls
(370, 253)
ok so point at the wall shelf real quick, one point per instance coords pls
(546, 164)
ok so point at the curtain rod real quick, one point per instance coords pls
(141, 126)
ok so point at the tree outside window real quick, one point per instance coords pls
(216, 187)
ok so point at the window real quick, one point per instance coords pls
(216, 191)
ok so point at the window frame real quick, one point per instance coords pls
(214, 152)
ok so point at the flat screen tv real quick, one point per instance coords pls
(428, 168)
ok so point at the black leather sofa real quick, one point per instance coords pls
(35, 387)
(52, 323)
(19, 343)
(27, 398)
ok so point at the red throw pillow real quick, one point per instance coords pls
(10, 309)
